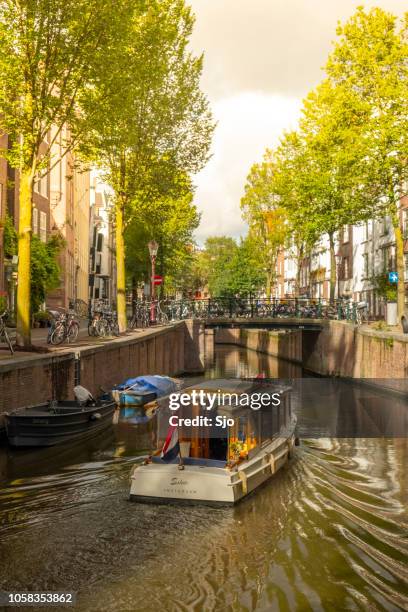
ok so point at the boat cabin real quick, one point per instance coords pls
(237, 432)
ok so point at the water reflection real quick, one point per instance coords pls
(328, 532)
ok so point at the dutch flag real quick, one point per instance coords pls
(171, 447)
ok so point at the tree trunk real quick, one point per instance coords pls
(399, 257)
(120, 267)
(134, 294)
(24, 259)
(268, 289)
(299, 263)
(333, 270)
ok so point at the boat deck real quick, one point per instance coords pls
(198, 461)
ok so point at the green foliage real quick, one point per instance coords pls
(267, 220)
(45, 271)
(9, 237)
(151, 129)
(347, 162)
(52, 53)
(384, 288)
(228, 268)
(171, 223)
(151, 126)
(245, 272)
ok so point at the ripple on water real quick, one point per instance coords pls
(327, 532)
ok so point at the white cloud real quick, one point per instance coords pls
(261, 58)
(248, 123)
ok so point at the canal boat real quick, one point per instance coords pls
(56, 422)
(224, 465)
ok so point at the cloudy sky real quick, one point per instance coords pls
(261, 59)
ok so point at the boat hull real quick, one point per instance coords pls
(30, 428)
(208, 484)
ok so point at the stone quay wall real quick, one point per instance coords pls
(282, 343)
(338, 349)
(171, 350)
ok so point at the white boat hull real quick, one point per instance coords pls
(158, 482)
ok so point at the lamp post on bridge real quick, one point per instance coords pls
(153, 248)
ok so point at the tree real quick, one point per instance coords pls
(44, 269)
(51, 53)
(155, 125)
(215, 258)
(266, 218)
(290, 182)
(245, 272)
(171, 221)
(370, 64)
(331, 130)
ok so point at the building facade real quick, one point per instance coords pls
(61, 204)
(102, 263)
(363, 253)
(70, 197)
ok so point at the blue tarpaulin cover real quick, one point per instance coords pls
(161, 385)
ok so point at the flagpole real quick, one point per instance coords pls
(181, 463)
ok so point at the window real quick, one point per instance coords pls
(100, 242)
(98, 264)
(385, 258)
(405, 222)
(406, 265)
(43, 226)
(367, 230)
(35, 220)
(366, 265)
(346, 233)
(44, 186)
(346, 268)
(384, 226)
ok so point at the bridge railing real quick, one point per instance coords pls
(256, 308)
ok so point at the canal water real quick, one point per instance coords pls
(328, 532)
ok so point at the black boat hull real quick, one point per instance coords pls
(28, 430)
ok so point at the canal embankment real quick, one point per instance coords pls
(32, 379)
(338, 349)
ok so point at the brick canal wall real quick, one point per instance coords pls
(170, 350)
(339, 349)
(345, 350)
(282, 343)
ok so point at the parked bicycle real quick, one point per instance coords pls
(140, 316)
(103, 322)
(361, 313)
(65, 326)
(4, 336)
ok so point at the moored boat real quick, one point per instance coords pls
(218, 467)
(56, 422)
(143, 389)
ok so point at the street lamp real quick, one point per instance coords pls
(153, 248)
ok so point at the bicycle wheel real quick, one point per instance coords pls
(58, 335)
(101, 328)
(8, 341)
(73, 331)
(91, 329)
(163, 319)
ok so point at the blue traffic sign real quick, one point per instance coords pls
(393, 277)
